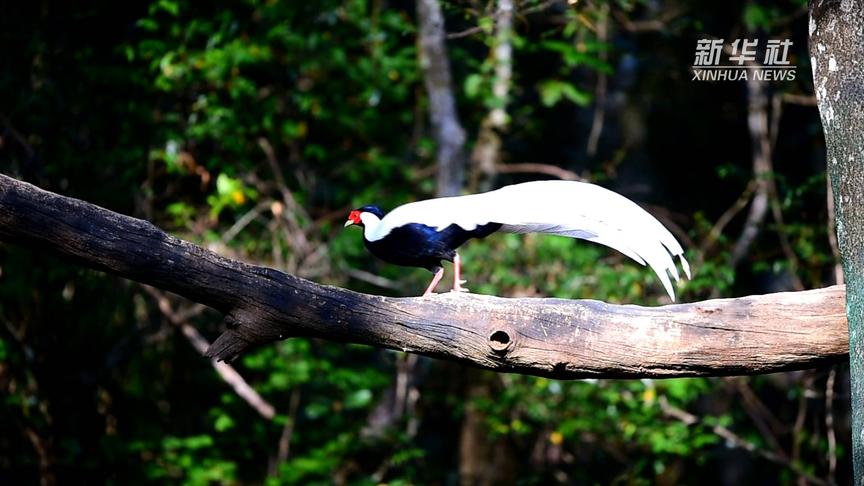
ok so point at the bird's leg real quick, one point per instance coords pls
(457, 275)
(434, 282)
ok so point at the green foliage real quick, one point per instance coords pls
(229, 193)
(553, 91)
(191, 460)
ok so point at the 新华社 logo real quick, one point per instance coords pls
(742, 60)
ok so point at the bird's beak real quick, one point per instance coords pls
(348, 223)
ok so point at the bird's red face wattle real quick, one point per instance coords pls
(353, 218)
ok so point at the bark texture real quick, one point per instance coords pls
(449, 134)
(837, 55)
(548, 337)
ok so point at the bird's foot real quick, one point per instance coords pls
(457, 286)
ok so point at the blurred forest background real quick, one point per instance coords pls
(252, 127)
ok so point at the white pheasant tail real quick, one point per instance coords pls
(565, 208)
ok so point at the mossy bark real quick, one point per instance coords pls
(837, 56)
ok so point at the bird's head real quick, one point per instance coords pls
(365, 216)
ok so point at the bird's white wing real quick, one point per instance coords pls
(565, 208)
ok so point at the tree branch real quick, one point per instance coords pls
(736, 440)
(227, 372)
(537, 168)
(757, 122)
(547, 337)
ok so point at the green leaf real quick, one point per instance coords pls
(473, 82)
(553, 91)
(358, 399)
(223, 423)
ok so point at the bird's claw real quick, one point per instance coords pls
(459, 288)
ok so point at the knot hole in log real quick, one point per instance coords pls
(500, 341)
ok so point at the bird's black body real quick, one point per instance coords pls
(418, 245)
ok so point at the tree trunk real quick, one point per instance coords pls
(449, 134)
(837, 55)
(486, 155)
(484, 460)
